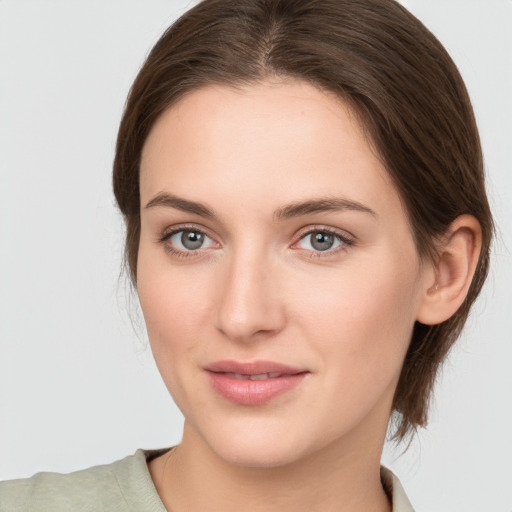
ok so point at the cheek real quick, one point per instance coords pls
(362, 318)
(174, 303)
(176, 313)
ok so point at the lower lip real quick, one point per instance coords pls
(253, 392)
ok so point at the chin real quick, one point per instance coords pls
(257, 454)
(259, 444)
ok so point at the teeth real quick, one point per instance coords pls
(271, 375)
(260, 376)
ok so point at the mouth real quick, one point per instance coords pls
(254, 383)
(260, 376)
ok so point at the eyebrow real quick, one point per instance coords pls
(297, 209)
(327, 204)
(185, 205)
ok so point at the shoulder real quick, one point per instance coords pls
(47, 491)
(124, 485)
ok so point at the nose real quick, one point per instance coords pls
(249, 303)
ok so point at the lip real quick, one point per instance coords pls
(232, 380)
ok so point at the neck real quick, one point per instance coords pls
(193, 477)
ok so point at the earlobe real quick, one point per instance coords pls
(454, 269)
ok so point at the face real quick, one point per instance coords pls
(277, 272)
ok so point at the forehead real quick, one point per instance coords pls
(271, 142)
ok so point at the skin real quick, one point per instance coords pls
(258, 290)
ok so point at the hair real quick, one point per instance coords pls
(397, 78)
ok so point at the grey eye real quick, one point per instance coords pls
(320, 241)
(190, 240)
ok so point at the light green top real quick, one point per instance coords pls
(123, 486)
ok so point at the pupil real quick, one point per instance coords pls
(322, 241)
(192, 240)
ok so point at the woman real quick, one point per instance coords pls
(307, 229)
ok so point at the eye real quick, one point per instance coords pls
(188, 240)
(322, 241)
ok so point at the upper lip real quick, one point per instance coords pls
(252, 368)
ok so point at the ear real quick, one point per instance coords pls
(447, 286)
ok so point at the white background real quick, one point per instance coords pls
(78, 386)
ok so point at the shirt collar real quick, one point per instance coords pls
(390, 482)
(399, 500)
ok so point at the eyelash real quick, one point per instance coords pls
(346, 241)
(176, 252)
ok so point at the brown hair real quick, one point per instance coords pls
(396, 76)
